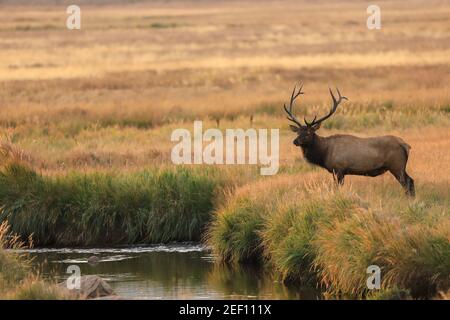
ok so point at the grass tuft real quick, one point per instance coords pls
(17, 280)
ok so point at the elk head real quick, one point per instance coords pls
(306, 133)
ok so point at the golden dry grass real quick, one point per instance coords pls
(310, 232)
(109, 95)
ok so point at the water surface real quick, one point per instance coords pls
(175, 271)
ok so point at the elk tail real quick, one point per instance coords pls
(406, 147)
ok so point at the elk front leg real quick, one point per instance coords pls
(338, 177)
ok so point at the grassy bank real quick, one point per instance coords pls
(311, 234)
(17, 280)
(151, 206)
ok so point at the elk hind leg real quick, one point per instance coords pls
(406, 181)
(410, 185)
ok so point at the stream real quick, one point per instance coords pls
(174, 271)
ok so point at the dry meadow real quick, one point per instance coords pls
(110, 94)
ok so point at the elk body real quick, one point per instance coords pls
(345, 155)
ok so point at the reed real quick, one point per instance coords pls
(150, 206)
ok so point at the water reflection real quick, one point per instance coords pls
(185, 271)
(251, 282)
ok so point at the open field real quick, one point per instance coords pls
(109, 94)
(86, 117)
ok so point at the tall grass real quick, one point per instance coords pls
(290, 232)
(105, 208)
(13, 267)
(17, 280)
(313, 234)
(411, 256)
(234, 235)
(235, 232)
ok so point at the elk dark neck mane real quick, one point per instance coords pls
(316, 151)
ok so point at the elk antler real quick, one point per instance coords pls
(332, 110)
(294, 95)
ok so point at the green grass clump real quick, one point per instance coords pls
(290, 232)
(104, 208)
(287, 239)
(234, 234)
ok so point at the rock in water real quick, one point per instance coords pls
(93, 260)
(92, 286)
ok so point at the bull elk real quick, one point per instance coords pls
(343, 154)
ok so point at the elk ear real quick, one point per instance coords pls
(316, 126)
(294, 128)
